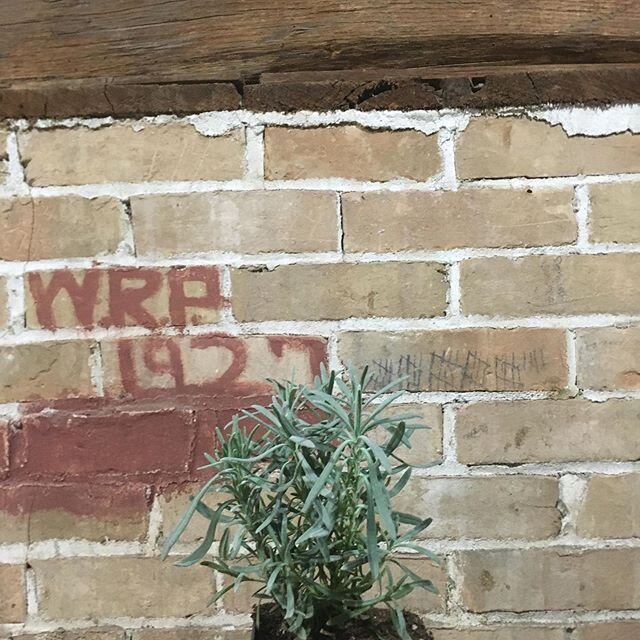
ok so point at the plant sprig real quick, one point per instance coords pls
(308, 514)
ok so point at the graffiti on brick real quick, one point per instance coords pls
(408, 367)
(208, 364)
(122, 296)
(457, 370)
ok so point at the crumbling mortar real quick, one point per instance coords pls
(454, 294)
(254, 153)
(127, 246)
(585, 121)
(96, 369)
(582, 210)
(32, 595)
(154, 529)
(340, 225)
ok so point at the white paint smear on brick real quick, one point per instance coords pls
(594, 121)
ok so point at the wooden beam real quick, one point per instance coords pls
(586, 85)
(160, 41)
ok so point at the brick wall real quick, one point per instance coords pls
(153, 273)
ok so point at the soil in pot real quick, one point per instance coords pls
(379, 626)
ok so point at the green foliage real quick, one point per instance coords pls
(308, 515)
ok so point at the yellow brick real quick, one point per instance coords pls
(227, 632)
(511, 147)
(415, 220)
(550, 579)
(610, 507)
(511, 632)
(419, 600)
(547, 431)
(336, 291)
(45, 370)
(175, 503)
(92, 633)
(426, 444)
(467, 507)
(240, 221)
(120, 587)
(31, 513)
(552, 285)
(616, 630)
(615, 212)
(59, 227)
(609, 358)
(349, 152)
(118, 153)
(13, 605)
(462, 360)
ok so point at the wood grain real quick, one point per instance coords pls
(586, 85)
(205, 40)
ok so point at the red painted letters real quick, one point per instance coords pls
(122, 296)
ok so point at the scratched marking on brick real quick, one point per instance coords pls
(208, 364)
(458, 370)
(384, 372)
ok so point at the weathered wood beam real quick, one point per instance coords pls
(204, 40)
(588, 85)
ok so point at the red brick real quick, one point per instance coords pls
(209, 420)
(113, 443)
(88, 511)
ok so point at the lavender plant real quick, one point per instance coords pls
(307, 514)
